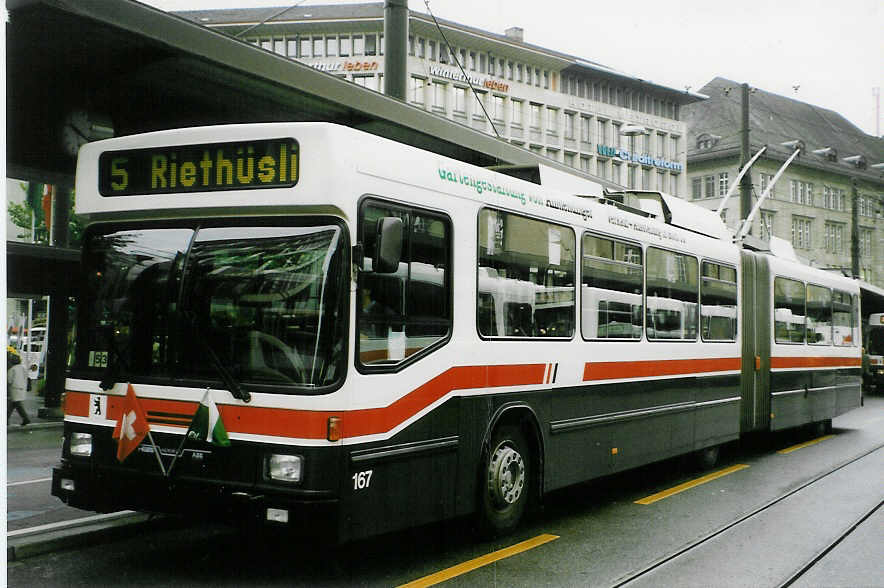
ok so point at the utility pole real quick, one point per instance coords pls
(854, 228)
(746, 180)
(396, 48)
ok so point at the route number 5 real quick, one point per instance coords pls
(362, 480)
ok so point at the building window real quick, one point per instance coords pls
(417, 90)
(292, 48)
(460, 100)
(569, 125)
(661, 181)
(364, 80)
(645, 174)
(696, 188)
(801, 232)
(517, 112)
(358, 45)
(722, 184)
(766, 222)
(371, 47)
(535, 116)
(616, 137)
(865, 244)
(552, 120)
(345, 46)
(601, 134)
(601, 168)
(331, 46)
(443, 53)
(801, 192)
(673, 184)
(569, 159)
(765, 182)
(432, 47)
(673, 147)
(439, 91)
(318, 47)
(497, 107)
(585, 129)
(834, 237)
(709, 186)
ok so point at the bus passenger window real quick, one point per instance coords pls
(718, 302)
(525, 277)
(402, 313)
(672, 295)
(788, 311)
(842, 319)
(819, 315)
(611, 289)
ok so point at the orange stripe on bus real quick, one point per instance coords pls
(612, 370)
(306, 424)
(813, 362)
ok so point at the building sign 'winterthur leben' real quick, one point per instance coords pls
(451, 74)
(638, 158)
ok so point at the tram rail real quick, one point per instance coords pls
(647, 571)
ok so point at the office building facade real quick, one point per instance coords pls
(572, 110)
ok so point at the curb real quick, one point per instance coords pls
(33, 426)
(25, 543)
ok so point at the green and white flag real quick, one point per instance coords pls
(207, 424)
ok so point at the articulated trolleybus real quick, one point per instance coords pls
(393, 337)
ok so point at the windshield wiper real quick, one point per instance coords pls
(231, 382)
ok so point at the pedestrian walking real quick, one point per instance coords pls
(16, 388)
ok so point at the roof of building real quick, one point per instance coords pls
(246, 17)
(775, 119)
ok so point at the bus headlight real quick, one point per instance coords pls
(285, 468)
(81, 444)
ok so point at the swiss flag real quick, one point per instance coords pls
(131, 427)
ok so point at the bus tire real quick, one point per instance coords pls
(506, 475)
(707, 457)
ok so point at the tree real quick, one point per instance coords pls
(30, 214)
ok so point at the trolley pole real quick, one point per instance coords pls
(746, 180)
(396, 48)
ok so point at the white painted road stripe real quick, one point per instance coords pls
(28, 482)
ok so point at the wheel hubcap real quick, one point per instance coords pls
(506, 476)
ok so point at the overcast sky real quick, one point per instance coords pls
(833, 51)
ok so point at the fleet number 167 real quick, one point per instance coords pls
(362, 480)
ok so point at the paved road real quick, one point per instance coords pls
(590, 535)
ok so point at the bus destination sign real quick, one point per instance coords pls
(242, 165)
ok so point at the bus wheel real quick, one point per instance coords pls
(707, 457)
(507, 470)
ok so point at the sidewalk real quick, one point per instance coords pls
(33, 404)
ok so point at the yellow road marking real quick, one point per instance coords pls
(479, 562)
(803, 445)
(688, 485)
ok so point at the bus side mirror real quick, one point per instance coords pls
(389, 245)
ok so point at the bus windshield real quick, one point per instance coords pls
(267, 301)
(876, 341)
